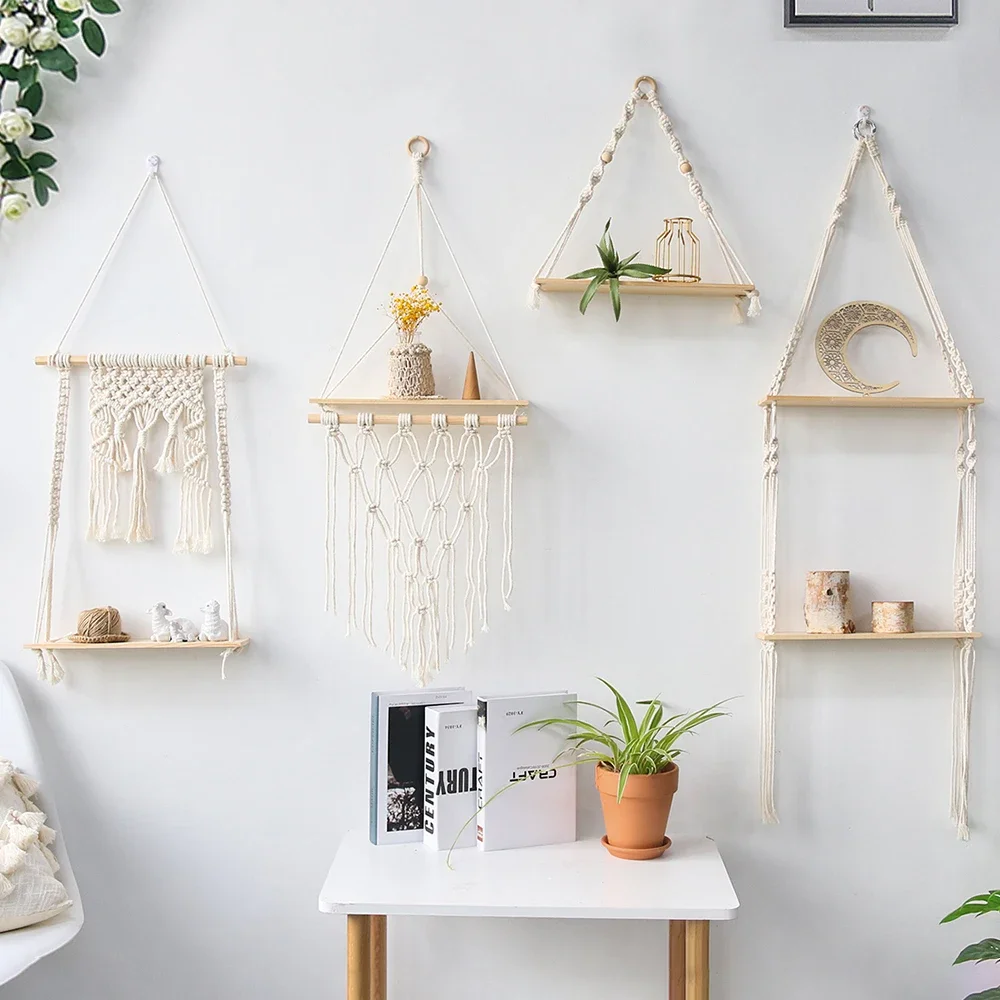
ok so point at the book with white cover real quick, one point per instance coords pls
(524, 799)
(450, 778)
(395, 796)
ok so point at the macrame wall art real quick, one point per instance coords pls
(740, 287)
(413, 484)
(832, 339)
(137, 401)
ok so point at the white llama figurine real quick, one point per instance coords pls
(161, 622)
(213, 628)
(183, 630)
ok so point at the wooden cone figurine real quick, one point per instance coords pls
(471, 390)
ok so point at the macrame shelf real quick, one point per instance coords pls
(964, 401)
(635, 286)
(741, 286)
(138, 644)
(414, 541)
(132, 396)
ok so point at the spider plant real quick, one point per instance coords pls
(612, 270)
(985, 951)
(629, 742)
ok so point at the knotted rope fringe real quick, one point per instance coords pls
(965, 543)
(737, 271)
(220, 364)
(385, 484)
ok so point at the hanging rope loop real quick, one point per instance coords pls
(864, 127)
(650, 87)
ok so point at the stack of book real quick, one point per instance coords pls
(456, 771)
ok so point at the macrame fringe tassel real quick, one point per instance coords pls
(49, 667)
(768, 690)
(964, 675)
(103, 526)
(534, 295)
(195, 532)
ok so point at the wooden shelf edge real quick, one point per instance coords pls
(636, 286)
(825, 637)
(876, 402)
(424, 403)
(423, 419)
(137, 644)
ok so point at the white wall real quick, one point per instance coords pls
(202, 816)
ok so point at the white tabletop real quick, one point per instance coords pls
(579, 880)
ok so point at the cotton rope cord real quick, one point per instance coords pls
(49, 667)
(140, 389)
(737, 271)
(965, 541)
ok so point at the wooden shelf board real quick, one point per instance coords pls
(825, 637)
(637, 286)
(422, 404)
(137, 644)
(876, 402)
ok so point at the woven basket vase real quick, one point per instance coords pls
(410, 372)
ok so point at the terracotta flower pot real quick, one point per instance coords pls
(637, 824)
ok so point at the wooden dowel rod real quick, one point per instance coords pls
(358, 956)
(78, 360)
(419, 419)
(696, 960)
(379, 966)
(678, 960)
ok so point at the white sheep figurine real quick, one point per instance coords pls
(161, 622)
(182, 630)
(213, 628)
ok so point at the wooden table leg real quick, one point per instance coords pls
(377, 983)
(696, 960)
(678, 958)
(358, 956)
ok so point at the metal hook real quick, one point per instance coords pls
(864, 127)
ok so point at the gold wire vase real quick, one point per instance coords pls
(678, 249)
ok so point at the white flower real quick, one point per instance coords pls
(44, 38)
(14, 206)
(15, 124)
(15, 31)
(70, 6)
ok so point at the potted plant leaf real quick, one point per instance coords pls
(635, 771)
(987, 950)
(612, 270)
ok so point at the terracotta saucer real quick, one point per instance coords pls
(636, 853)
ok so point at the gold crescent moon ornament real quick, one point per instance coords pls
(839, 328)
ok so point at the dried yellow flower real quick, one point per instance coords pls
(409, 309)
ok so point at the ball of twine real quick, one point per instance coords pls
(99, 625)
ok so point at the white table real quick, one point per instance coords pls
(688, 887)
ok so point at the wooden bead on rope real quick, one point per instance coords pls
(685, 167)
(607, 157)
(422, 281)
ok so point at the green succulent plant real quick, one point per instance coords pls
(983, 951)
(612, 270)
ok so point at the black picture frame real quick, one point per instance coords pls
(793, 19)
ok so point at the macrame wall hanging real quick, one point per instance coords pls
(740, 287)
(832, 338)
(148, 421)
(419, 499)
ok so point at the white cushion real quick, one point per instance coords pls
(29, 890)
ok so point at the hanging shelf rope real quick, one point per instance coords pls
(129, 395)
(741, 286)
(423, 502)
(965, 401)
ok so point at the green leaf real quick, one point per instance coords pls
(987, 902)
(591, 290)
(628, 260)
(71, 73)
(650, 269)
(48, 181)
(31, 98)
(41, 132)
(993, 994)
(9, 72)
(57, 60)
(14, 170)
(40, 161)
(105, 6)
(93, 36)
(625, 716)
(589, 273)
(616, 298)
(984, 951)
(67, 27)
(623, 778)
(27, 75)
(41, 191)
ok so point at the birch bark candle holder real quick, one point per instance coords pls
(892, 616)
(827, 605)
